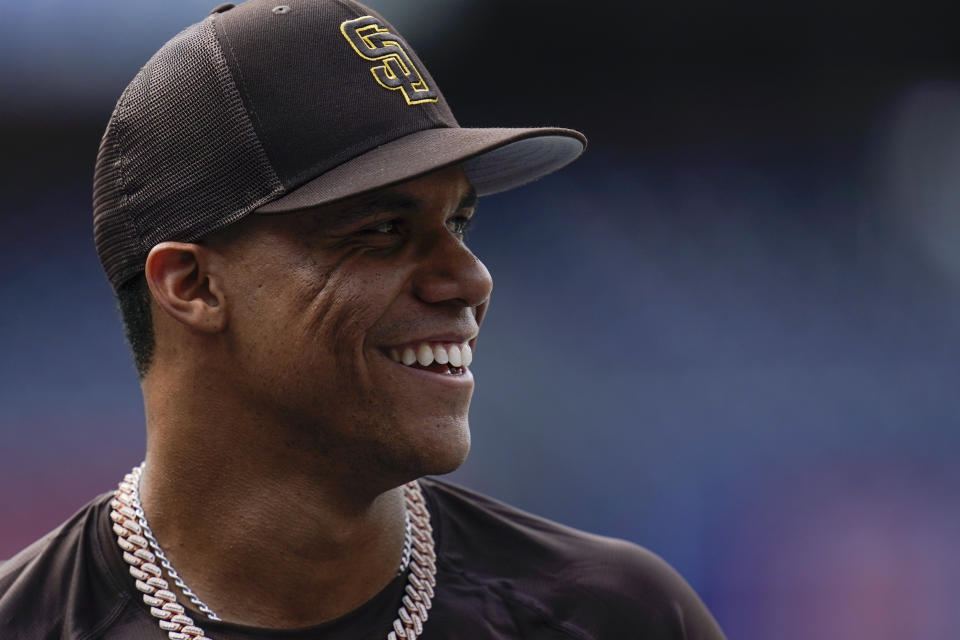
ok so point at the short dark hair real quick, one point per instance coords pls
(133, 298)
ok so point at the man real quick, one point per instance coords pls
(280, 201)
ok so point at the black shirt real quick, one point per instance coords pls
(501, 573)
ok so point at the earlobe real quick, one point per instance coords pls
(180, 282)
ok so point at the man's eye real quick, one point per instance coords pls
(460, 224)
(387, 227)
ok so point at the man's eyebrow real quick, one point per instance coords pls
(366, 206)
(469, 200)
(372, 204)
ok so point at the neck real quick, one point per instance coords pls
(262, 543)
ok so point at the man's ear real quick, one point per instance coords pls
(178, 277)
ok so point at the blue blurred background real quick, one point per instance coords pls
(729, 333)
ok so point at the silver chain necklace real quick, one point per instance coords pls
(147, 562)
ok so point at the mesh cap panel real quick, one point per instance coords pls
(170, 167)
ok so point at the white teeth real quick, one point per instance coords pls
(425, 355)
(454, 353)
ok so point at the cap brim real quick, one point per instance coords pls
(494, 160)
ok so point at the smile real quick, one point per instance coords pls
(448, 358)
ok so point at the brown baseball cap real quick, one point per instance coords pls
(271, 108)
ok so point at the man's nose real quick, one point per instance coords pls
(450, 272)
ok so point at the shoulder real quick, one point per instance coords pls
(56, 587)
(598, 584)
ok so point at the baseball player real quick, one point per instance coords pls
(280, 202)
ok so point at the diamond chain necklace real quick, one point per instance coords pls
(148, 562)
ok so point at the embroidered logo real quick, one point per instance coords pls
(373, 41)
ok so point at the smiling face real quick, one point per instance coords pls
(347, 323)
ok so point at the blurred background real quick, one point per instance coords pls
(729, 333)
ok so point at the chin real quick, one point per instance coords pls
(450, 461)
(450, 452)
(442, 450)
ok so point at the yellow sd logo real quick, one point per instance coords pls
(372, 41)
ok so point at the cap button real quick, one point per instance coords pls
(220, 8)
